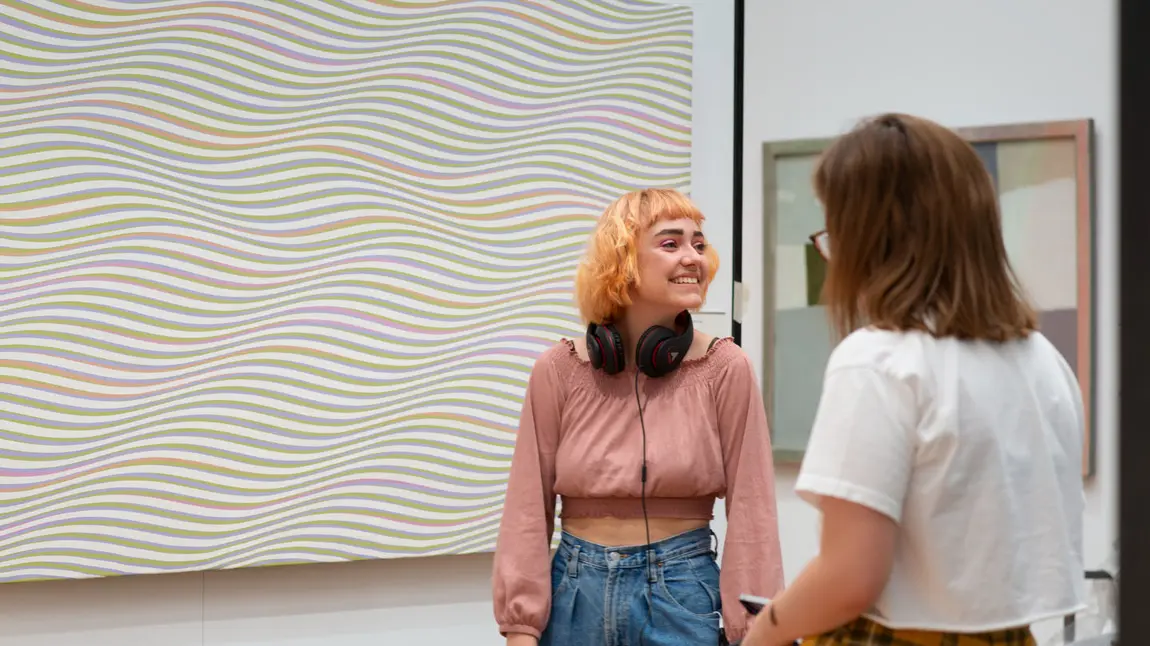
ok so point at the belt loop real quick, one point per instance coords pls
(651, 564)
(573, 563)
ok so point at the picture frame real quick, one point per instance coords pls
(1044, 174)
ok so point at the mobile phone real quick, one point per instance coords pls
(753, 604)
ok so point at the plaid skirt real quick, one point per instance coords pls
(864, 632)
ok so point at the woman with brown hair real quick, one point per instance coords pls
(945, 454)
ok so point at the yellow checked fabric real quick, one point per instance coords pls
(864, 632)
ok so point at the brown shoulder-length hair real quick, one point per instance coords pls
(915, 235)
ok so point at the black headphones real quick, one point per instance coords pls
(659, 351)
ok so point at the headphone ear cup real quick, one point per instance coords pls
(615, 358)
(605, 348)
(594, 348)
(661, 350)
(649, 352)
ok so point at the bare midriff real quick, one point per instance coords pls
(619, 532)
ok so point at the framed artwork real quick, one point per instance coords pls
(1044, 176)
(275, 274)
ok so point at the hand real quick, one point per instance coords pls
(750, 627)
(520, 639)
(754, 637)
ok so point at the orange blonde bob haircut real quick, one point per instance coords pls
(609, 271)
(916, 235)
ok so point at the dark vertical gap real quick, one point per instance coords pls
(1133, 143)
(737, 174)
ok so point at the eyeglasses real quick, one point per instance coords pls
(822, 242)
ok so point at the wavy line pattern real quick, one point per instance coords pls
(274, 272)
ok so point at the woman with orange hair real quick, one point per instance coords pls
(637, 428)
(946, 451)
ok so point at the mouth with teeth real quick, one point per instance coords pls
(685, 280)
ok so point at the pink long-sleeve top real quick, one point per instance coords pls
(579, 439)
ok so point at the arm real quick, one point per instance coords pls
(838, 584)
(752, 557)
(856, 470)
(521, 578)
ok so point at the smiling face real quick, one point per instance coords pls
(647, 253)
(673, 267)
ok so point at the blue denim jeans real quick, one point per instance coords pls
(607, 596)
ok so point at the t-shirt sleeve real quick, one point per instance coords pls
(862, 444)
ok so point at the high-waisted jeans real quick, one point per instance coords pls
(607, 596)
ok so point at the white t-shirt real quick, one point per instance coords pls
(975, 449)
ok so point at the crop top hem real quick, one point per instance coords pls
(701, 508)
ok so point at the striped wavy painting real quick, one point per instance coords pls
(274, 273)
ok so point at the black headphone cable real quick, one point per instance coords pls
(643, 502)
